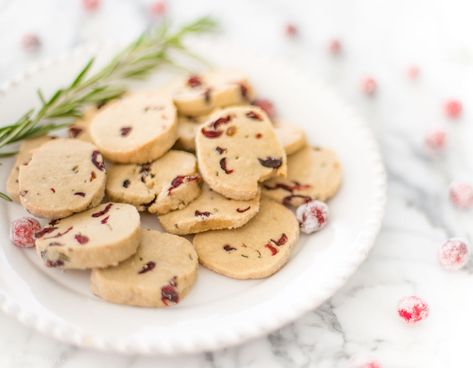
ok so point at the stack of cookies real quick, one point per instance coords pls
(203, 159)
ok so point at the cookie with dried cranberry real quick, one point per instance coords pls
(80, 129)
(160, 274)
(292, 138)
(64, 176)
(169, 183)
(254, 251)
(22, 158)
(99, 237)
(236, 149)
(210, 211)
(136, 129)
(200, 94)
(313, 173)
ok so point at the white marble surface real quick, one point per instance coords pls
(359, 324)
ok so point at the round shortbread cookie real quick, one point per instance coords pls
(64, 176)
(210, 211)
(200, 94)
(256, 250)
(80, 129)
(186, 131)
(313, 173)
(167, 184)
(136, 129)
(291, 137)
(22, 158)
(160, 274)
(236, 149)
(99, 237)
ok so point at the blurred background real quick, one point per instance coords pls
(401, 64)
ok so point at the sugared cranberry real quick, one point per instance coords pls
(272, 249)
(413, 72)
(124, 131)
(223, 166)
(453, 108)
(169, 294)
(81, 239)
(454, 254)
(291, 30)
(270, 162)
(412, 309)
(241, 210)
(369, 86)
(147, 267)
(267, 106)
(253, 115)
(372, 364)
(194, 81)
(97, 160)
(104, 211)
(90, 5)
(30, 42)
(461, 194)
(74, 132)
(436, 140)
(158, 8)
(335, 47)
(312, 216)
(23, 230)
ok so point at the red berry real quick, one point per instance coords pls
(412, 309)
(372, 364)
(335, 47)
(90, 5)
(454, 254)
(453, 109)
(369, 86)
(291, 30)
(461, 194)
(413, 72)
(30, 42)
(312, 216)
(436, 140)
(22, 231)
(158, 8)
(267, 106)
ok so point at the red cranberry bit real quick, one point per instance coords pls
(369, 86)
(158, 8)
(44, 231)
(436, 140)
(211, 133)
(22, 231)
(273, 250)
(207, 95)
(173, 281)
(223, 166)
(372, 364)
(97, 160)
(54, 222)
(454, 254)
(253, 115)
(243, 90)
(180, 179)
(258, 135)
(57, 263)
(126, 183)
(104, 211)
(281, 241)
(461, 194)
(194, 81)
(453, 109)
(74, 132)
(413, 72)
(58, 235)
(241, 210)
(147, 267)
(270, 162)
(267, 106)
(220, 150)
(202, 214)
(289, 188)
(169, 294)
(90, 5)
(124, 131)
(80, 194)
(93, 176)
(104, 220)
(30, 42)
(312, 216)
(81, 239)
(289, 200)
(220, 121)
(52, 190)
(412, 309)
(335, 47)
(228, 248)
(291, 30)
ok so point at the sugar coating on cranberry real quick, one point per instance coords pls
(312, 216)
(291, 30)
(453, 108)
(30, 42)
(436, 140)
(90, 5)
(369, 86)
(412, 309)
(461, 194)
(158, 8)
(335, 47)
(413, 72)
(22, 231)
(454, 254)
(372, 364)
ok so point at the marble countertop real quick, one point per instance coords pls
(380, 39)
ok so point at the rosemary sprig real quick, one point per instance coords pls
(136, 61)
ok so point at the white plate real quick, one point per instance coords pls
(219, 311)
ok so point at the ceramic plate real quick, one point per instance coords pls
(219, 311)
